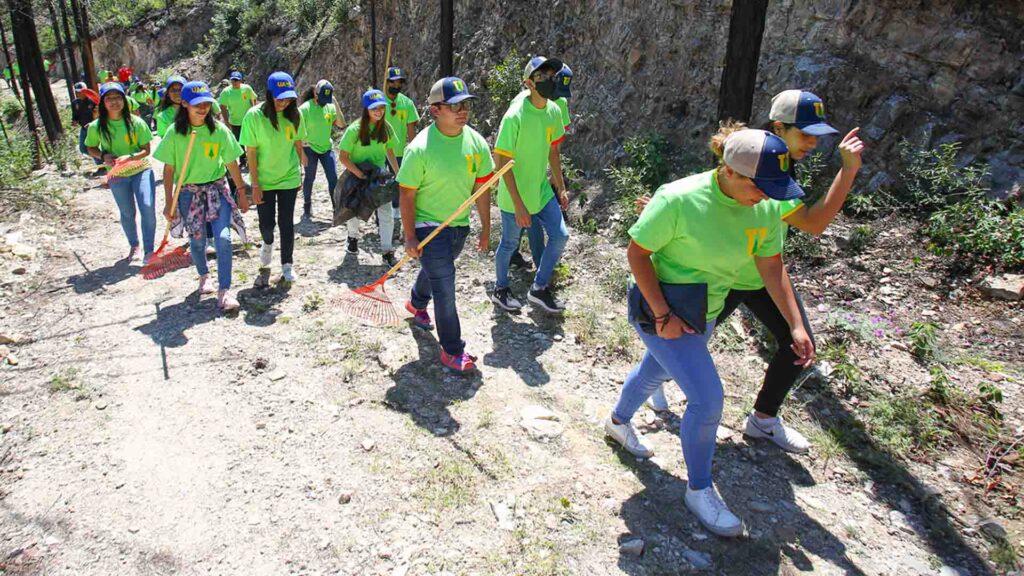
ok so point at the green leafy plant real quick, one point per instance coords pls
(924, 340)
(504, 81)
(860, 238)
(932, 179)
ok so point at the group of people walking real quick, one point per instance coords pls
(702, 245)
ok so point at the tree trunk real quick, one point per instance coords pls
(69, 39)
(9, 60)
(62, 49)
(78, 10)
(739, 77)
(33, 74)
(373, 43)
(446, 38)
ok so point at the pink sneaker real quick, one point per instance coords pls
(462, 363)
(419, 317)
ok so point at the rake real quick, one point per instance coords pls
(126, 168)
(163, 262)
(371, 303)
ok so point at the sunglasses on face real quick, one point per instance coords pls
(465, 105)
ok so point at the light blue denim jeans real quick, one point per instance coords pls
(222, 241)
(548, 221)
(135, 194)
(687, 361)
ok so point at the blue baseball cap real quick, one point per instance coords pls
(175, 79)
(764, 158)
(160, 93)
(111, 87)
(396, 73)
(235, 75)
(195, 93)
(281, 86)
(450, 90)
(324, 92)
(538, 62)
(374, 99)
(803, 110)
(562, 81)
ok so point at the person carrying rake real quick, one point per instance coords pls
(444, 165)
(195, 152)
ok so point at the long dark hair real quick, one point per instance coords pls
(182, 124)
(307, 94)
(380, 133)
(105, 118)
(166, 101)
(291, 112)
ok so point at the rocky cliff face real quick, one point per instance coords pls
(927, 71)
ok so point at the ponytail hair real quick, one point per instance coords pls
(725, 129)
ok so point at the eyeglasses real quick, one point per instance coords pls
(542, 75)
(466, 105)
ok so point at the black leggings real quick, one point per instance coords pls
(782, 373)
(282, 204)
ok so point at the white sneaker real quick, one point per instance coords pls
(265, 253)
(787, 438)
(287, 273)
(627, 436)
(658, 402)
(708, 507)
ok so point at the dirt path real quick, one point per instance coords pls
(144, 433)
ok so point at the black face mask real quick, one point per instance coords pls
(546, 88)
(394, 90)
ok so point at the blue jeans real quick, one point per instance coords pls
(549, 220)
(222, 241)
(137, 191)
(437, 280)
(326, 160)
(687, 361)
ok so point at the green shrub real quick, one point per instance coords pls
(979, 231)
(932, 179)
(15, 160)
(904, 424)
(924, 340)
(505, 81)
(646, 168)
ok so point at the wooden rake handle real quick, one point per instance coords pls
(181, 180)
(469, 201)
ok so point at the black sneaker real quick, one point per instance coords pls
(389, 258)
(519, 262)
(546, 300)
(503, 297)
(353, 246)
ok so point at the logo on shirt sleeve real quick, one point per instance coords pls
(472, 163)
(550, 134)
(755, 237)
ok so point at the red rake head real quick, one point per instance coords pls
(162, 263)
(370, 304)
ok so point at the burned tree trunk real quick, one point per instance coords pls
(739, 77)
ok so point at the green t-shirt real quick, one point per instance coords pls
(237, 101)
(210, 153)
(165, 119)
(563, 106)
(443, 169)
(749, 278)
(277, 159)
(141, 98)
(132, 105)
(699, 235)
(119, 143)
(405, 113)
(526, 134)
(376, 152)
(318, 120)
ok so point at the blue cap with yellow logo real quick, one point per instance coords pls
(236, 75)
(324, 92)
(111, 87)
(281, 86)
(764, 158)
(196, 92)
(562, 81)
(803, 110)
(450, 90)
(374, 99)
(396, 73)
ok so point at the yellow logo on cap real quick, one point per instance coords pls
(398, 71)
(458, 85)
(327, 92)
(566, 80)
(784, 162)
(819, 109)
(211, 150)
(284, 84)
